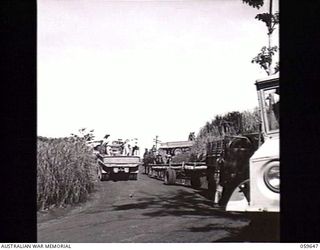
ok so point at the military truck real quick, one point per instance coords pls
(172, 164)
(260, 192)
(248, 165)
(112, 164)
(227, 163)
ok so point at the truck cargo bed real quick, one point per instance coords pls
(110, 159)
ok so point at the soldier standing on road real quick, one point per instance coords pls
(145, 155)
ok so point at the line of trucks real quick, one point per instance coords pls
(242, 172)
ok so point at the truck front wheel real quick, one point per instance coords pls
(133, 177)
(195, 181)
(99, 173)
(101, 176)
(150, 172)
(170, 177)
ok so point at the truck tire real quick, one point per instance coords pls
(104, 177)
(133, 177)
(99, 173)
(195, 181)
(150, 172)
(170, 177)
(101, 176)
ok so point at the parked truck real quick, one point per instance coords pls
(260, 192)
(227, 163)
(172, 163)
(248, 165)
(112, 164)
(242, 171)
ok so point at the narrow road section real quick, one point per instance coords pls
(145, 210)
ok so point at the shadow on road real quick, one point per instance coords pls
(185, 204)
(253, 232)
(260, 229)
(181, 203)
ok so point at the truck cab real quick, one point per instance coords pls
(264, 164)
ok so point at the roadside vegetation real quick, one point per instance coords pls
(66, 171)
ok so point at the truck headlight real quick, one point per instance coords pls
(126, 170)
(116, 170)
(272, 176)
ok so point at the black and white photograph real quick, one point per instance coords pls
(158, 121)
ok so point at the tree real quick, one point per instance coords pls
(264, 58)
(191, 136)
(254, 3)
(84, 134)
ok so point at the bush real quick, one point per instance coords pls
(66, 171)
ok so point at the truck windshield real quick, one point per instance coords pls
(272, 99)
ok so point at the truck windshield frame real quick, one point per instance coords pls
(270, 99)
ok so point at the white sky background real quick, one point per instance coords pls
(136, 69)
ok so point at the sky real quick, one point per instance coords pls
(137, 69)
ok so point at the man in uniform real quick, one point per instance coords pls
(126, 148)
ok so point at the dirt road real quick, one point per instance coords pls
(148, 211)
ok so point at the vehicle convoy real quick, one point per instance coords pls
(171, 163)
(245, 167)
(114, 161)
(261, 190)
(248, 165)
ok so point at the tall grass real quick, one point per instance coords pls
(66, 171)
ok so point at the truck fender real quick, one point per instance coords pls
(240, 197)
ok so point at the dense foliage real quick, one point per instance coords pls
(232, 123)
(66, 171)
(254, 3)
(265, 58)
